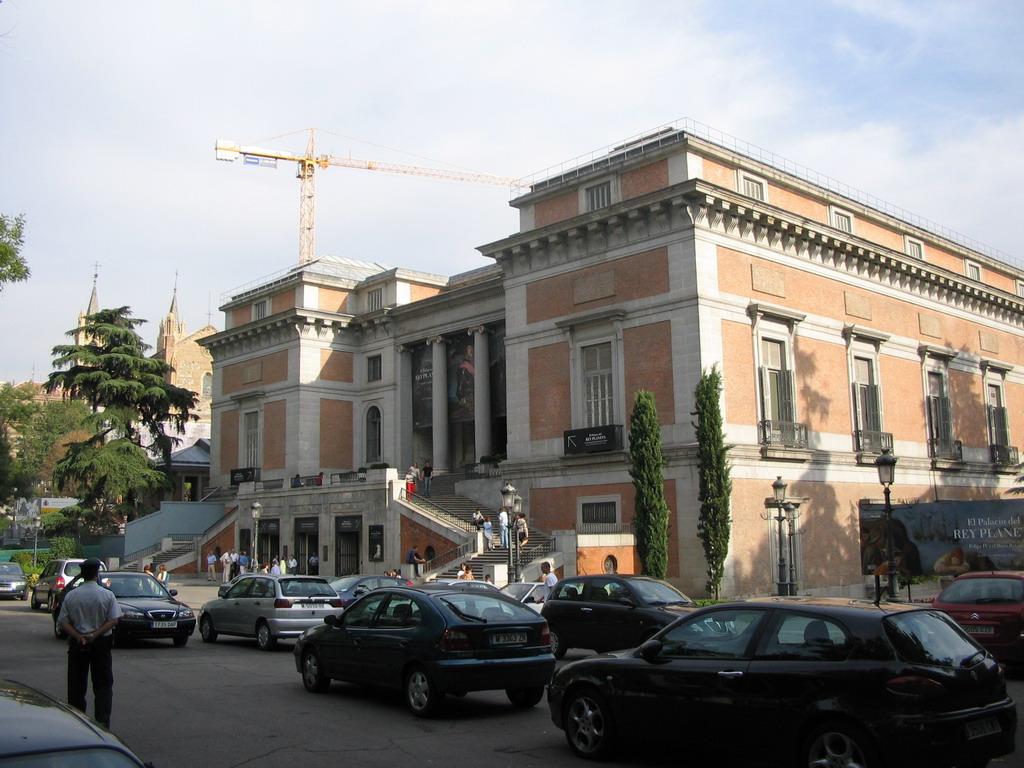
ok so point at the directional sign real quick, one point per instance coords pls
(592, 440)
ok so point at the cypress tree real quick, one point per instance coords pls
(650, 515)
(714, 523)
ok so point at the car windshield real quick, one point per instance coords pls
(930, 637)
(658, 593)
(134, 586)
(343, 585)
(306, 588)
(984, 591)
(11, 569)
(517, 589)
(477, 606)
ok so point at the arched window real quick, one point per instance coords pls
(207, 385)
(373, 434)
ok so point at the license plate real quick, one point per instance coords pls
(986, 727)
(314, 605)
(979, 629)
(508, 638)
(165, 625)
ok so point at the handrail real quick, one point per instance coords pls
(437, 510)
(450, 556)
(138, 555)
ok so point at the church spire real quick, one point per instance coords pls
(174, 299)
(94, 302)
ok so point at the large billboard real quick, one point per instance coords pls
(944, 538)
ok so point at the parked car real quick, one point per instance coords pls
(526, 592)
(990, 607)
(797, 681)
(351, 587)
(55, 576)
(40, 731)
(429, 642)
(268, 607)
(150, 610)
(609, 612)
(473, 585)
(13, 582)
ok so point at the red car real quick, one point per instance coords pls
(989, 605)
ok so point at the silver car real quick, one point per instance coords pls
(56, 575)
(268, 607)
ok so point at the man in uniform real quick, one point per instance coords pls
(88, 614)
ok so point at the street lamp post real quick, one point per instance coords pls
(779, 492)
(255, 508)
(508, 501)
(886, 466)
(791, 515)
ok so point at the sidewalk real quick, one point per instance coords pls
(194, 590)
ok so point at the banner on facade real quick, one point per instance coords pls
(375, 541)
(943, 538)
(422, 387)
(461, 379)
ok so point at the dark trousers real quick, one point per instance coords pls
(94, 658)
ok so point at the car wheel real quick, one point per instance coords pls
(206, 630)
(51, 603)
(58, 631)
(180, 640)
(423, 698)
(524, 698)
(265, 640)
(36, 605)
(24, 595)
(588, 725)
(313, 676)
(557, 648)
(839, 745)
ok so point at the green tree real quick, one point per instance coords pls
(650, 515)
(16, 411)
(47, 428)
(13, 267)
(715, 482)
(132, 406)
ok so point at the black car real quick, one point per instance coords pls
(40, 731)
(150, 610)
(428, 643)
(798, 681)
(351, 587)
(610, 611)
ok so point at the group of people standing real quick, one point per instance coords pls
(417, 479)
(162, 575)
(236, 563)
(519, 525)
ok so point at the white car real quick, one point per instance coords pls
(527, 592)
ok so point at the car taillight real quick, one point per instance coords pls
(282, 602)
(545, 636)
(60, 582)
(339, 603)
(913, 686)
(454, 640)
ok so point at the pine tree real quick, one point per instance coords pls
(131, 405)
(651, 515)
(715, 484)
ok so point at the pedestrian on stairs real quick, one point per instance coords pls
(503, 526)
(426, 473)
(488, 534)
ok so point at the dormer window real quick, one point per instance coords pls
(842, 220)
(753, 186)
(599, 196)
(259, 310)
(375, 299)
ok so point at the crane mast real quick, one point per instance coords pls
(306, 173)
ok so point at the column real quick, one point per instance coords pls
(481, 391)
(439, 395)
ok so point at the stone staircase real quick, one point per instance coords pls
(443, 497)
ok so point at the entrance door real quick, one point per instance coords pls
(306, 544)
(346, 553)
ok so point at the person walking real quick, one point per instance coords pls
(225, 564)
(549, 580)
(503, 527)
(211, 566)
(314, 565)
(488, 534)
(89, 614)
(243, 562)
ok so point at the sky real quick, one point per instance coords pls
(109, 112)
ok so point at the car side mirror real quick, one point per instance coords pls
(222, 591)
(650, 651)
(627, 601)
(529, 599)
(331, 620)
(173, 592)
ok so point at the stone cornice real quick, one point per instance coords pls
(642, 221)
(276, 329)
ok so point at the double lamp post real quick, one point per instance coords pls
(513, 504)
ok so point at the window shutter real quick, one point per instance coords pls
(998, 429)
(787, 396)
(871, 409)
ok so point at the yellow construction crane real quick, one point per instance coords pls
(308, 163)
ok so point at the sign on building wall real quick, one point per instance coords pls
(944, 538)
(592, 440)
(422, 386)
(375, 540)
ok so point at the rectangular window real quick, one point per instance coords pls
(842, 220)
(599, 196)
(259, 310)
(998, 424)
(972, 270)
(777, 400)
(752, 186)
(597, 384)
(375, 299)
(940, 419)
(251, 439)
(373, 368)
(915, 248)
(1020, 288)
(599, 512)
(865, 395)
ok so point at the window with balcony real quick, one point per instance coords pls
(867, 409)
(598, 389)
(252, 456)
(998, 426)
(778, 397)
(941, 444)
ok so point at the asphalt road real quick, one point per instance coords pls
(228, 704)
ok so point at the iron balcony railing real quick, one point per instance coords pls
(598, 528)
(1004, 454)
(790, 434)
(871, 441)
(944, 448)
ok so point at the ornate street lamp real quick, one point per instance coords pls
(255, 508)
(508, 501)
(886, 466)
(779, 493)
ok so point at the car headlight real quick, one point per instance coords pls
(131, 613)
(185, 613)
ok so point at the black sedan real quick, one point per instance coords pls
(428, 643)
(351, 587)
(150, 610)
(798, 681)
(40, 731)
